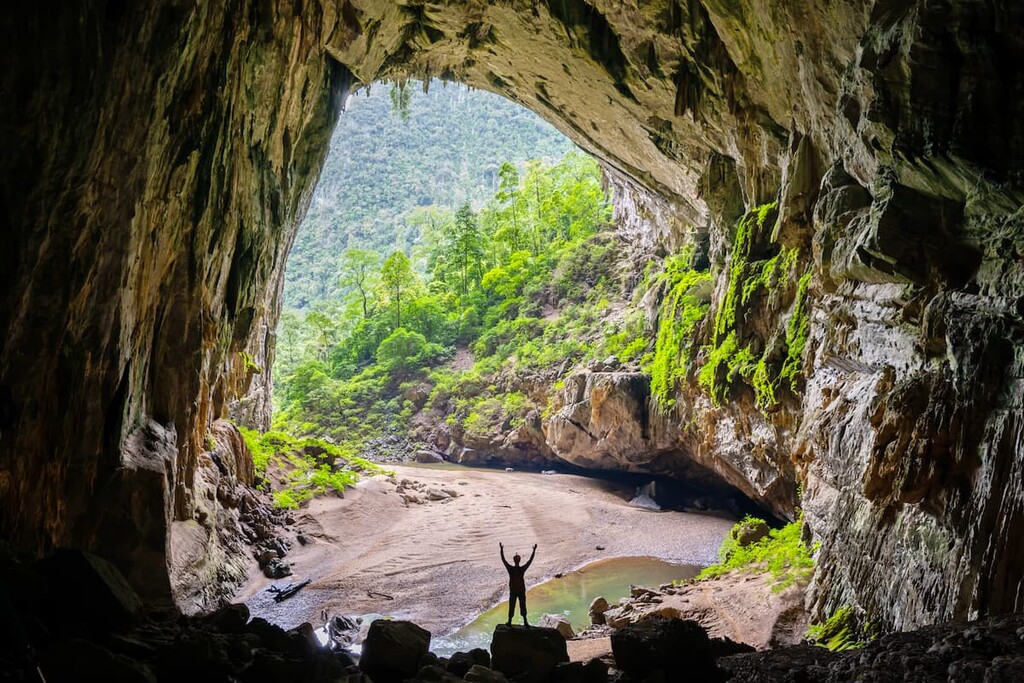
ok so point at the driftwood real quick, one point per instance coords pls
(375, 594)
(288, 591)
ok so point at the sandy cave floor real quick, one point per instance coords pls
(438, 561)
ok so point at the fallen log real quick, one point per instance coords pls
(288, 591)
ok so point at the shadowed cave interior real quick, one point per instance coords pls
(159, 158)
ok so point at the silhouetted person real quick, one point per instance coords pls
(516, 583)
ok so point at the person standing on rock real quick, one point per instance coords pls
(516, 582)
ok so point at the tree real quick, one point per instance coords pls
(466, 247)
(358, 267)
(402, 350)
(508, 194)
(399, 96)
(324, 330)
(398, 278)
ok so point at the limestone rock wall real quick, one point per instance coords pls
(157, 157)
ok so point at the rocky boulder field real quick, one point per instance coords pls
(75, 613)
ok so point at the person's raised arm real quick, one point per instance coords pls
(503, 560)
(527, 565)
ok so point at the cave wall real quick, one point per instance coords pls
(158, 158)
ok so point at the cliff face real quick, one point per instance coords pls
(156, 160)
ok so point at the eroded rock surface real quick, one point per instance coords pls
(986, 650)
(233, 524)
(740, 607)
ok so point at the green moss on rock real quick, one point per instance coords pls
(756, 286)
(682, 310)
(782, 554)
(844, 630)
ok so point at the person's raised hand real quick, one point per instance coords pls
(500, 544)
(534, 546)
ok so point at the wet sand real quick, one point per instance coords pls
(437, 564)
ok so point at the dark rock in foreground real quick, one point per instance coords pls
(85, 587)
(988, 650)
(481, 674)
(594, 671)
(670, 648)
(227, 646)
(529, 652)
(393, 649)
(461, 662)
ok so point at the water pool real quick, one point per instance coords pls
(569, 596)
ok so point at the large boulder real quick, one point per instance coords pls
(461, 662)
(428, 457)
(434, 674)
(670, 646)
(392, 650)
(86, 587)
(481, 674)
(559, 623)
(749, 531)
(529, 654)
(597, 609)
(602, 421)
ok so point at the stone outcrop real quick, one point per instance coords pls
(527, 653)
(159, 158)
(604, 421)
(392, 650)
(158, 155)
(500, 444)
(986, 650)
(608, 422)
(233, 524)
(661, 647)
(742, 607)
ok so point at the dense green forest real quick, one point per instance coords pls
(396, 156)
(455, 239)
(522, 284)
(453, 319)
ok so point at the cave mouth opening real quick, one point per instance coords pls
(414, 175)
(405, 157)
(137, 314)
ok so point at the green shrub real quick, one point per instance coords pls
(311, 465)
(286, 499)
(843, 631)
(781, 553)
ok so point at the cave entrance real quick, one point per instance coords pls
(457, 263)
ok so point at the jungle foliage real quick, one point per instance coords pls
(397, 155)
(295, 470)
(519, 285)
(782, 554)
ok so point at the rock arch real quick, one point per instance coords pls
(157, 158)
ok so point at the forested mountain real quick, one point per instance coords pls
(457, 264)
(394, 154)
(495, 282)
